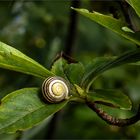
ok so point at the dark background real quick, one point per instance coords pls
(42, 29)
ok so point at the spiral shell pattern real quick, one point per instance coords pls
(55, 89)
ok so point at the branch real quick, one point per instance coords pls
(72, 28)
(113, 120)
(53, 125)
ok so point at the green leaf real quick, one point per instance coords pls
(111, 23)
(126, 29)
(113, 98)
(104, 65)
(96, 62)
(12, 59)
(59, 66)
(74, 72)
(62, 68)
(136, 5)
(23, 109)
(80, 91)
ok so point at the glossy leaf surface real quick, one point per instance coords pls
(105, 64)
(111, 23)
(75, 72)
(23, 109)
(113, 98)
(12, 59)
(58, 67)
(136, 5)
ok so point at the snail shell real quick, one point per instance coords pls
(55, 89)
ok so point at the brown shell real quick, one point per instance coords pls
(48, 92)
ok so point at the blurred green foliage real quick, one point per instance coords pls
(39, 29)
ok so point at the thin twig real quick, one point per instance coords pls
(53, 125)
(72, 28)
(113, 120)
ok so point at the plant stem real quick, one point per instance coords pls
(113, 120)
(53, 125)
(71, 36)
(72, 28)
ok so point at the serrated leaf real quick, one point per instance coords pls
(75, 72)
(23, 109)
(111, 23)
(136, 5)
(104, 65)
(12, 59)
(112, 98)
(59, 66)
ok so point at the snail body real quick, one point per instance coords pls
(55, 89)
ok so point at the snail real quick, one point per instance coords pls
(55, 89)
